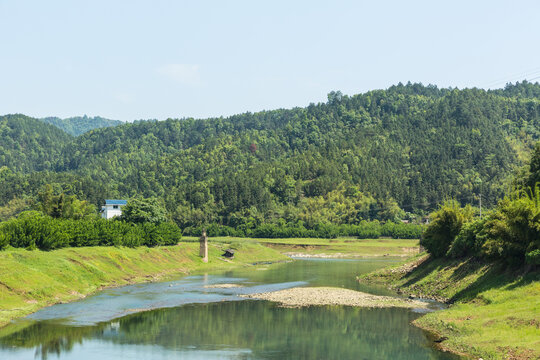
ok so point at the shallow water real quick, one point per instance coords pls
(185, 319)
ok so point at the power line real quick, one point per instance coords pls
(535, 78)
(516, 77)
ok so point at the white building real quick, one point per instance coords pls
(112, 208)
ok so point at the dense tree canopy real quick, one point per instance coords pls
(27, 144)
(384, 154)
(533, 180)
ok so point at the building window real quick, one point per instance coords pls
(115, 207)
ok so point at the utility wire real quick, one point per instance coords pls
(512, 78)
(535, 78)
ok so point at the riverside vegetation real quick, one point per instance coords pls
(67, 223)
(487, 268)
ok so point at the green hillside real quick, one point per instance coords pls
(26, 144)
(375, 154)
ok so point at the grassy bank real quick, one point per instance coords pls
(30, 280)
(494, 312)
(340, 247)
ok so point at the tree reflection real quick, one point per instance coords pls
(269, 331)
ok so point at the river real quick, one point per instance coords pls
(189, 318)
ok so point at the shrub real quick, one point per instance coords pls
(326, 231)
(469, 241)
(364, 230)
(445, 226)
(533, 257)
(367, 230)
(4, 242)
(144, 211)
(165, 234)
(401, 231)
(514, 229)
(35, 230)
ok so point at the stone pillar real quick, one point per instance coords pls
(203, 249)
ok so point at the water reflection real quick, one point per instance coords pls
(216, 323)
(246, 330)
(113, 303)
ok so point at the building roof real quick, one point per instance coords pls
(115, 202)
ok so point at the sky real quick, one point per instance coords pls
(158, 59)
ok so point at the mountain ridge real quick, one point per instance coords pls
(78, 125)
(410, 145)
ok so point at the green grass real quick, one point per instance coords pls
(503, 324)
(342, 246)
(30, 280)
(495, 312)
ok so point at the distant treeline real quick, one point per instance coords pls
(63, 221)
(33, 230)
(364, 230)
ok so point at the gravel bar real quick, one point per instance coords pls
(308, 296)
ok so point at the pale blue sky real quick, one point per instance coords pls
(157, 59)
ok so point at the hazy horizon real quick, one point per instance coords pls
(255, 111)
(131, 60)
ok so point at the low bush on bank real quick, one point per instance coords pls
(510, 233)
(364, 230)
(33, 229)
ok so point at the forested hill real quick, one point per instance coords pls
(27, 144)
(78, 125)
(344, 160)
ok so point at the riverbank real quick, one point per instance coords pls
(345, 247)
(30, 280)
(494, 311)
(187, 307)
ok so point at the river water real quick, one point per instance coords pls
(189, 319)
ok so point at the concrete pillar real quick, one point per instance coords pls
(203, 249)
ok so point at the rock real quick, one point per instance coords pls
(229, 253)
